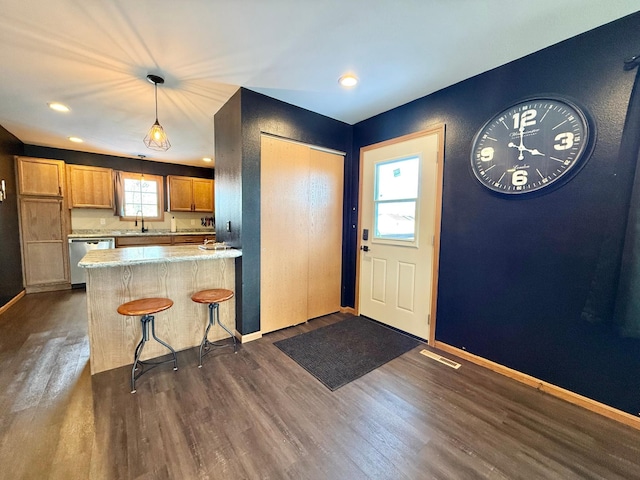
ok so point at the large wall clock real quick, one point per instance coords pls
(532, 145)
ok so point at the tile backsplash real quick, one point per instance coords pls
(93, 218)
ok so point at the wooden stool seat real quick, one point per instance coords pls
(215, 295)
(144, 306)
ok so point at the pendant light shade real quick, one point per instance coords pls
(156, 139)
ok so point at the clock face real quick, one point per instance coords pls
(530, 146)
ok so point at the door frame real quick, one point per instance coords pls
(440, 131)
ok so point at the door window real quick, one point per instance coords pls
(395, 200)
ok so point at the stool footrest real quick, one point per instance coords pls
(150, 366)
(210, 346)
(205, 345)
(145, 320)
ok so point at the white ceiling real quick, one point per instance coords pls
(94, 56)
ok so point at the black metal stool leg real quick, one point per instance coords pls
(144, 322)
(205, 340)
(175, 358)
(217, 309)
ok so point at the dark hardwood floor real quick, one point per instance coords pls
(258, 415)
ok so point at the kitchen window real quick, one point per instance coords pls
(140, 196)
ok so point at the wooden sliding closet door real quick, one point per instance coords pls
(301, 191)
(284, 233)
(325, 233)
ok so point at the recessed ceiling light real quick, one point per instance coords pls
(76, 139)
(58, 107)
(207, 159)
(348, 80)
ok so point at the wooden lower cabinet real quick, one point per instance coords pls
(44, 246)
(193, 239)
(143, 241)
(162, 240)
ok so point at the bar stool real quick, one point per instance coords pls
(145, 307)
(213, 297)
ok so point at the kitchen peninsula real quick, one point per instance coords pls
(116, 276)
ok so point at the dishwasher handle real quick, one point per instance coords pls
(92, 241)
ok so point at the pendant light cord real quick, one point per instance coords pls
(156, 89)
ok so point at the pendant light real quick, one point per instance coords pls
(156, 139)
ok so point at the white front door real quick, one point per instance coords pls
(401, 188)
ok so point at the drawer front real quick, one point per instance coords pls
(134, 241)
(193, 239)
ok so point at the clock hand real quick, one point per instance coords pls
(535, 151)
(521, 148)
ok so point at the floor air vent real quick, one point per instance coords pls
(438, 358)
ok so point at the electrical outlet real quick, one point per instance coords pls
(103, 221)
(193, 222)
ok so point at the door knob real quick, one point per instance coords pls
(364, 248)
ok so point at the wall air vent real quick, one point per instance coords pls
(438, 358)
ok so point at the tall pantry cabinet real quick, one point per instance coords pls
(301, 201)
(43, 224)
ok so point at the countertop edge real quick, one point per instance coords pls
(144, 255)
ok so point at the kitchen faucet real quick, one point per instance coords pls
(142, 220)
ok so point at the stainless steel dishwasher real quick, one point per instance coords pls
(78, 248)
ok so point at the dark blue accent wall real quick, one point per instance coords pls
(239, 125)
(10, 259)
(228, 153)
(531, 283)
(126, 164)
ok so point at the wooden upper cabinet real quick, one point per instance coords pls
(180, 199)
(91, 187)
(41, 177)
(202, 195)
(187, 194)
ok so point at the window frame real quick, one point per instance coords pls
(160, 194)
(385, 240)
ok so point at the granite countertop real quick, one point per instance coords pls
(135, 233)
(117, 257)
